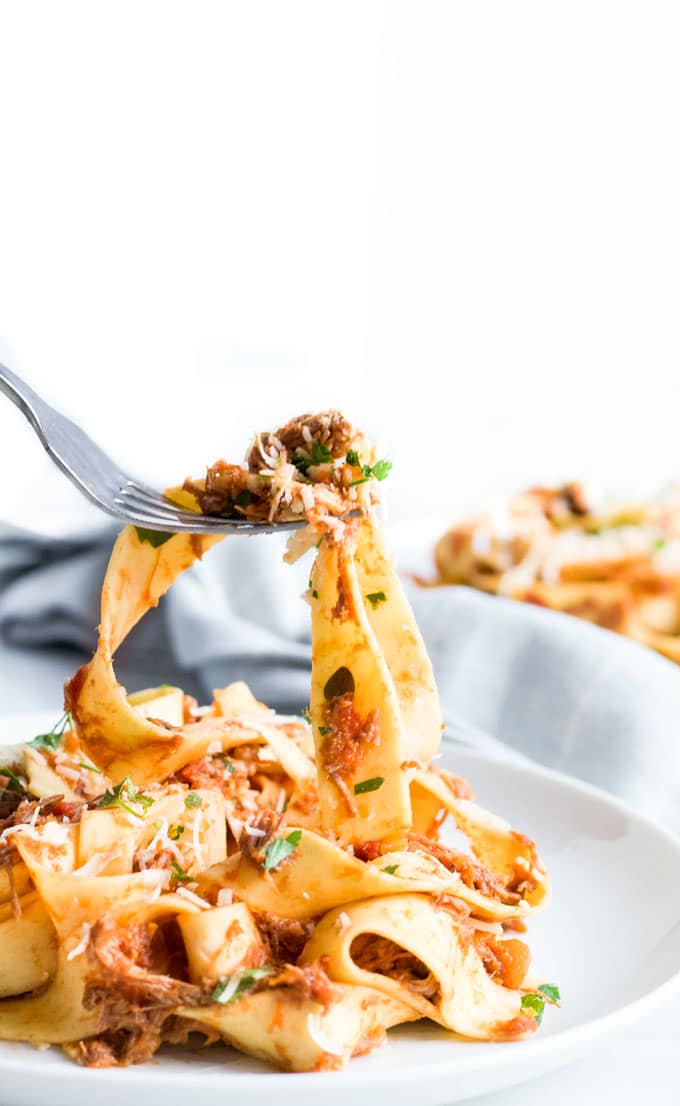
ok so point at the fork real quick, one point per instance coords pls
(98, 477)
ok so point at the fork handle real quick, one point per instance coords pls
(22, 396)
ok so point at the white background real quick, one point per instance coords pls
(457, 221)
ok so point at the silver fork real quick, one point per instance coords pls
(105, 484)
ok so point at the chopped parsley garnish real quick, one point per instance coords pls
(306, 715)
(90, 767)
(244, 498)
(390, 869)
(375, 598)
(318, 544)
(52, 740)
(551, 991)
(192, 800)
(153, 537)
(125, 793)
(230, 767)
(534, 1002)
(14, 783)
(320, 455)
(280, 848)
(175, 831)
(369, 785)
(178, 873)
(353, 458)
(225, 994)
(380, 470)
(658, 544)
(323, 730)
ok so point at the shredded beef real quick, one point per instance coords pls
(254, 846)
(285, 938)
(123, 961)
(329, 428)
(210, 772)
(378, 954)
(346, 740)
(475, 876)
(309, 981)
(224, 483)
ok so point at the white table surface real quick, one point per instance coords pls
(639, 1066)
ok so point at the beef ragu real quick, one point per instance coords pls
(345, 740)
(472, 874)
(380, 954)
(261, 879)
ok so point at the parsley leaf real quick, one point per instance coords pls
(14, 783)
(375, 598)
(230, 767)
(153, 537)
(658, 544)
(534, 1002)
(192, 800)
(175, 831)
(90, 767)
(380, 470)
(52, 740)
(125, 793)
(353, 458)
(320, 455)
(280, 848)
(246, 980)
(178, 873)
(390, 869)
(244, 498)
(323, 730)
(306, 715)
(551, 991)
(369, 785)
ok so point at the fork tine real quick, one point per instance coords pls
(105, 484)
(131, 497)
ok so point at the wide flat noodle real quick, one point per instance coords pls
(322, 875)
(117, 736)
(393, 623)
(302, 1035)
(466, 1000)
(346, 656)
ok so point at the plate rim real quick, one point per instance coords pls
(573, 1040)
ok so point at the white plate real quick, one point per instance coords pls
(610, 939)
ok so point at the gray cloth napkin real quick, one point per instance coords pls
(546, 686)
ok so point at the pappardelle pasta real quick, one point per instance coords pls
(275, 882)
(616, 567)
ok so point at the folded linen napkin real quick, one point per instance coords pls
(560, 691)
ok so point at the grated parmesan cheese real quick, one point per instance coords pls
(84, 941)
(185, 893)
